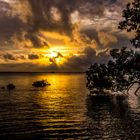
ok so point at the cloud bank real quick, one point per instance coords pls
(85, 29)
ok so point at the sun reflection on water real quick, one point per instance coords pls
(59, 101)
(64, 110)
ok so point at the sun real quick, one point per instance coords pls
(53, 54)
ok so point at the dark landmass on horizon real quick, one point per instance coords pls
(40, 72)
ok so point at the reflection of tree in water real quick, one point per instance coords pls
(112, 119)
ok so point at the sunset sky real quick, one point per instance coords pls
(59, 35)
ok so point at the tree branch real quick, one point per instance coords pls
(131, 85)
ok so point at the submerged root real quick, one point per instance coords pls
(137, 91)
(131, 85)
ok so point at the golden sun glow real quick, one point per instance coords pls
(56, 54)
(59, 60)
(56, 57)
(53, 54)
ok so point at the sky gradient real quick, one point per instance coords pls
(59, 35)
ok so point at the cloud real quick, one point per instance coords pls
(85, 26)
(101, 39)
(82, 62)
(12, 57)
(73, 64)
(9, 24)
(44, 12)
(106, 39)
(33, 56)
(5, 8)
(54, 16)
(9, 56)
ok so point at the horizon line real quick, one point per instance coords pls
(37, 72)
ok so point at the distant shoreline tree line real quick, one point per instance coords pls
(123, 70)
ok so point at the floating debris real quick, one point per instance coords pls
(42, 83)
(11, 86)
(2, 87)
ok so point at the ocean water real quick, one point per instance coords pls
(64, 110)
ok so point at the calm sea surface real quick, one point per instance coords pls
(64, 110)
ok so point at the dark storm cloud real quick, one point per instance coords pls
(22, 57)
(91, 33)
(74, 63)
(9, 56)
(43, 18)
(114, 39)
(5, 8)
(33, 56)
(42, 15)
(34, 39)
(103, 57)
(9, 25)
(82, 62)
(123, 40)
(12, 57)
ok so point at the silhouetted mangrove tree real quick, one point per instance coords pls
(123, 70)
(118, 74)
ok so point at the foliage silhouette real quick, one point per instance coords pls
(132, 21)
(123, 70)
(118, 74)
